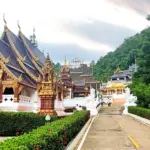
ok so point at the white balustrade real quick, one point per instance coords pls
(24, 99)
(7, 98)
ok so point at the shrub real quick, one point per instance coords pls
(141, 90)
(139, 111)
(51, 136)
(70, 109)
(16, 123)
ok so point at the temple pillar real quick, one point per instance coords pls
(47, 105)
(62, 94)
(57, 93)
(16, 93)
(1, 92)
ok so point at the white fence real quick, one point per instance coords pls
(7, 98)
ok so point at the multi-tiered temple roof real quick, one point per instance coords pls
(65, 75)
(20, 58)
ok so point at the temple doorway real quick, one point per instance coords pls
(59, 96)
(9, 91)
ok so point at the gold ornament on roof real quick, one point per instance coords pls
(24, 58)
(118, 70)
(20, 78)
(7, 59)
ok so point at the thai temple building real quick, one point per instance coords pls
(115, 88)
(27, 79)
(75, 63)
(83, 80)
(125, 76)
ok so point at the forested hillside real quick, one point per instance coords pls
(123, 56)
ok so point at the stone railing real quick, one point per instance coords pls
(7, 98)
(24, 99)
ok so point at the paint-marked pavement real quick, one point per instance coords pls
(112, 131)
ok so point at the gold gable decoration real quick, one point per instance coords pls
(26, 70)
(34, 58)
(13, 46)
(8, 72)
(31, 53)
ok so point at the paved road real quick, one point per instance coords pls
(110, 131)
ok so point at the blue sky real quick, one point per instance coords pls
(86, 29)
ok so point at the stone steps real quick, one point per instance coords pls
(112, 110)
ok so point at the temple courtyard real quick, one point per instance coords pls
(111, 130)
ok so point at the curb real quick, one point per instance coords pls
(140, 119)
(75, 141)
(86, 133)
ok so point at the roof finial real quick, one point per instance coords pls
(43, 51)
(118, 70)
(4, 21)
(47, 61)
(48, 56)
(18, 25)
(65, 61)
(34, 41)
(33, 30)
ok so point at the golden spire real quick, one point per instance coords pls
(48, 61)
(65, 61)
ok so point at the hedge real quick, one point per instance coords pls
(16, 123)
(139, 111)
(51, 136)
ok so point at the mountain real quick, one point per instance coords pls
(126, 54)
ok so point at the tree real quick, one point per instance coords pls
(57, 67)
(126, 54)
(148, 17)
(92, 63)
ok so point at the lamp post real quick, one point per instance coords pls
(47, 118)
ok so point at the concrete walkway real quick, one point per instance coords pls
(111, 131)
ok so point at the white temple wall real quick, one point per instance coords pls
(35, 97)
(32, 94)
(25, 92)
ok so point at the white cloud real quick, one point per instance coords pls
(49, 18)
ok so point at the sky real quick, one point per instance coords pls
(85, 29)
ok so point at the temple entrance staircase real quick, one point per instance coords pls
(114, 109)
